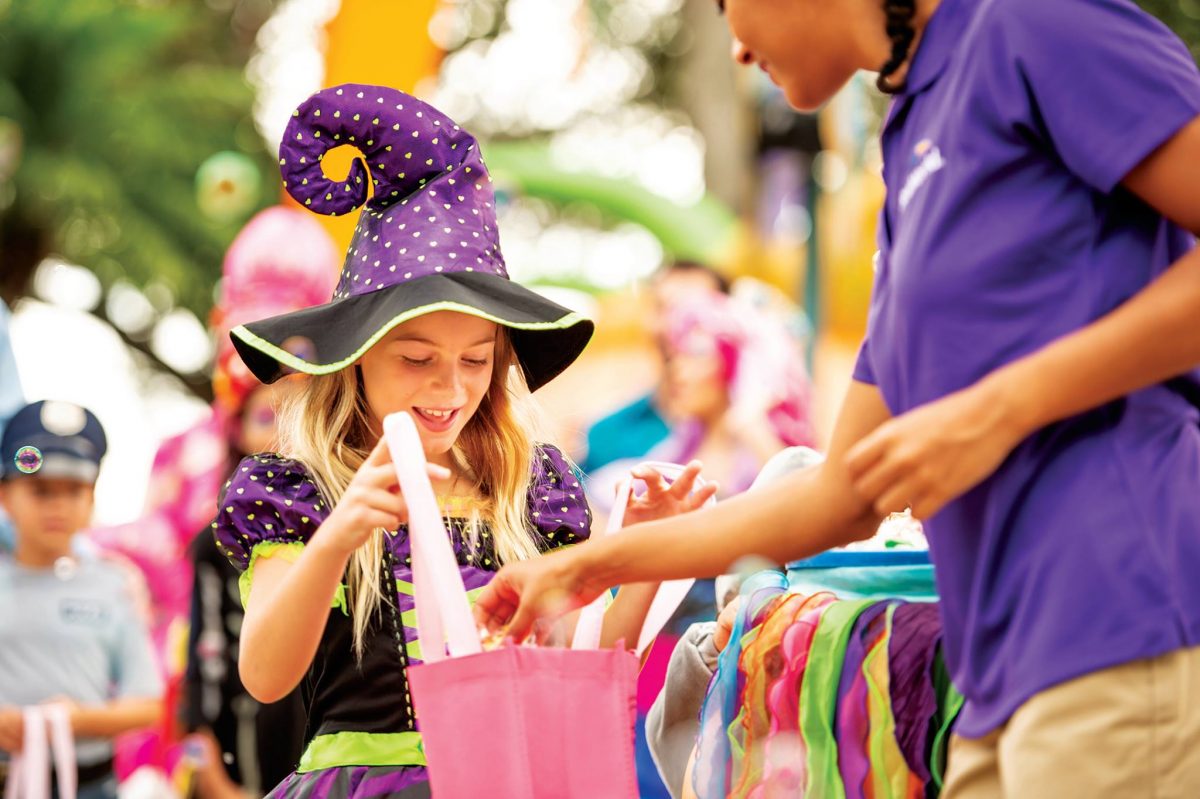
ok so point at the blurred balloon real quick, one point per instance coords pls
(227, 186)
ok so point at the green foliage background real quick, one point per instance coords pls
(107, 109)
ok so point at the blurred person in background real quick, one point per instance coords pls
(70, 626)
(735, 381)
(281, 261)
(634, 429)
(11, 398)
(258, 745)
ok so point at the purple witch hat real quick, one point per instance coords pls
(426, 241)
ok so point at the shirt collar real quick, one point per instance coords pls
(942, 34)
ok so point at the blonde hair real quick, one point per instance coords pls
(326, 427)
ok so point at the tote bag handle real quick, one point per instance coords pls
(29, 771)
(443, 613)
(670, 594)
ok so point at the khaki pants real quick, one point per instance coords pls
(1129, 731)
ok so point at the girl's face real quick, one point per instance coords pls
(809, 48)
(438, 367)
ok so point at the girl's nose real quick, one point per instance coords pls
(452, 379)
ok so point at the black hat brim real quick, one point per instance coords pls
(324, 339)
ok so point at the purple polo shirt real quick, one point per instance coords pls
(1004, 229)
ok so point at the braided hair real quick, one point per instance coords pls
(900, 30)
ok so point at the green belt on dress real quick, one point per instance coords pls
(362, 749)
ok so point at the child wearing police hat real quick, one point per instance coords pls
(71, 633)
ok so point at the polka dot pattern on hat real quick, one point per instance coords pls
(432, 210)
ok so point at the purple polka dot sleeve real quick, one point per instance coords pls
(267, 499)
(557, 505)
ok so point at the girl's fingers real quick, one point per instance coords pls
(522, 621)
(383, 500)
(374, 519)
(656, 485)
(686, 480)
(494, 615)
(384, 475)
(498, 603)
(543, 631)
(926, 505)
(704, 494)
(380, 454)
(376, 475)
(374, 507)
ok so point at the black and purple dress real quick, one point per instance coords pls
(361, 734)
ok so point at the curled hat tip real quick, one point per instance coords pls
(404, 144)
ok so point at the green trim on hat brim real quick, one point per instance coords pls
(288, 359)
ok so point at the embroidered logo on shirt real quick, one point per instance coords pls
(83, 612)
(926, 159)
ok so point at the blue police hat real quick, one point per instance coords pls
(53, 439)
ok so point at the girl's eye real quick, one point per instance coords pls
(471, 362)
(264, 417)
(416, 362)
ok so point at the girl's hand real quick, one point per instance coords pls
(933, 454)
(663, 499)
(371, 501)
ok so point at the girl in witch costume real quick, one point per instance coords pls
(423, 320)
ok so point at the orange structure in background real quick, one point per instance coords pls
(382, 42)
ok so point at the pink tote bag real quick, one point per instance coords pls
(518, 721)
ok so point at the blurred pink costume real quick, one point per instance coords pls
(762, 362)
(281, 260)
(762, 366)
